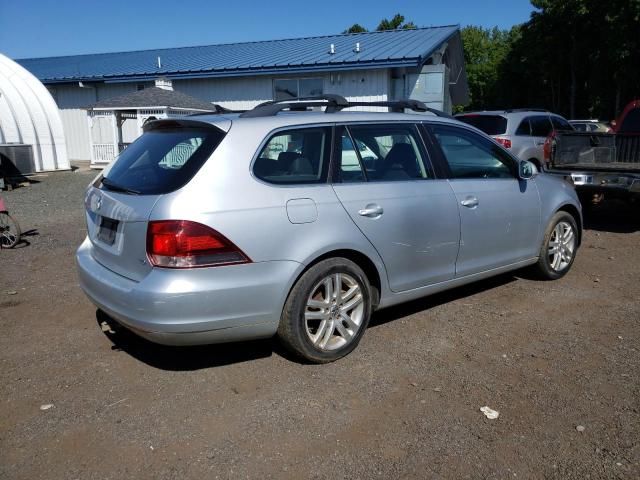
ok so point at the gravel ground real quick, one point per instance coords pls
(549, 356)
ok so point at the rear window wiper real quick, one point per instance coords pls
(118, 188)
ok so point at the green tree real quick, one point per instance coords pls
(396, 23)
(576, 57)
(484, 51)
(355, 28)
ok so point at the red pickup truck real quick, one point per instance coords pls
(600, 163)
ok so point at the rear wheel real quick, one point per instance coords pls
(9, 231)
(327, 311)
(558, 247)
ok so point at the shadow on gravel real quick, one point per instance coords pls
(615, 216)
(182, 358)
(400, 311)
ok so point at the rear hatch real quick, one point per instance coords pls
(118, 205)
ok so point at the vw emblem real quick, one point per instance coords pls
(98, 202)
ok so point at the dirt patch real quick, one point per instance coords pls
(549, 356)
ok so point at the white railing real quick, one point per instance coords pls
(103, 152)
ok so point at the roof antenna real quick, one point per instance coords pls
(159, 63)
(332, 49)
(357, 49)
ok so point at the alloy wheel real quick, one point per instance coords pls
(562, 246)
(334, 311)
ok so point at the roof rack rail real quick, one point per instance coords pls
(401, 105)
(515, 110)
(267, 109)
(335, 103)
(217, 109)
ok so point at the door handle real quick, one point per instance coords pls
(371, 210)
(470, 202)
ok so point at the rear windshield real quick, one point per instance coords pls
(489, 124)
(162, 160)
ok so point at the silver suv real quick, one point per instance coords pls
(523, 132)
(238, 226)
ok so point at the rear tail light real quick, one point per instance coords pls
(186, 244)
(505, 142)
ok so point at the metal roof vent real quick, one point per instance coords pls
(357, 49)
(332, 49)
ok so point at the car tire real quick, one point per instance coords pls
(559, 247)
(317, 324)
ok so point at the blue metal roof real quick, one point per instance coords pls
(393, 48)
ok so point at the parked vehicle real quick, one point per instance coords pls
(522, 131)
(226, 241)
(590, 126)
(602, 164)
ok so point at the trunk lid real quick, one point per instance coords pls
(117, 229)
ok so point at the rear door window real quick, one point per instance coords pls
(162, 160)
(295, 156)
(540, 126)
(390, 153)
(489, 124)
(350, 167)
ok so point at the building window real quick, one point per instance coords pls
(288, 88)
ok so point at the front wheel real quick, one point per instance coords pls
(559, 247)
(9, 231)
(327, 311)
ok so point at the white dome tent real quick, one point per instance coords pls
(29, 119)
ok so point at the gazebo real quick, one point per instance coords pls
(116, 122)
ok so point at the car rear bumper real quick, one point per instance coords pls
(194, 306)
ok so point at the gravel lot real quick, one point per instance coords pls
(549, 356)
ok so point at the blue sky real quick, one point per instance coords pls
(42, 28)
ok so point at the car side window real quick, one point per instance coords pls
(540, 126)
(471, 156)
(524, 129)
(390, 153)
(296, 156)
(560, 124)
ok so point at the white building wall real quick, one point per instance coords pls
(360, 86)
(243, 93)
(72, 101)
(235, 93)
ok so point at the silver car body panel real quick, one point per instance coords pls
(424, 242)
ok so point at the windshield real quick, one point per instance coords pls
(161, 160)
(489, 124)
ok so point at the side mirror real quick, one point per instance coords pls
(526, 170)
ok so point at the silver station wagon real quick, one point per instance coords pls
(299, 222)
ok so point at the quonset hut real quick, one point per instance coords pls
(31, 131)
